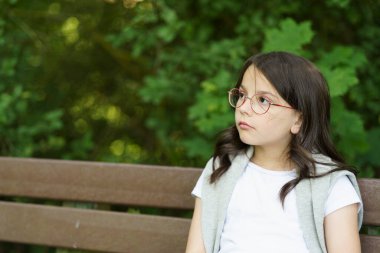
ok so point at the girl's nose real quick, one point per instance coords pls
(245, 108)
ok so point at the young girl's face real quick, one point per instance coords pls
(276, 126)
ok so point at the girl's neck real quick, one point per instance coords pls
(272, 159)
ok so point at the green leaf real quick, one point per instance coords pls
(166, 33)
(211, 110)
(340, 80)
(348, 130)
(339, 68)
(198, 147)
(290, 37)
(339, 3)
(372, 155)
(343, 56)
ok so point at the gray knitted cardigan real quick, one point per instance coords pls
(311, 196)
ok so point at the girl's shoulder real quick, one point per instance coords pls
(208, 169)
(324, 164)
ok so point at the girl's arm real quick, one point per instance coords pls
(195, 241)
(341, 230)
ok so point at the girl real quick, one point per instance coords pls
(276, 183)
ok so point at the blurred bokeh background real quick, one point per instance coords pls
(145, 81)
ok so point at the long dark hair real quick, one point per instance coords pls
(302, 85)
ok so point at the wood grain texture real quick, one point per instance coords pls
(140, 185)
(370, 244)
(370, 192)
(91, 230)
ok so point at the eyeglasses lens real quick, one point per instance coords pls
(259, 104)
(236, 98)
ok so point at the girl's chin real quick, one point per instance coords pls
(248, 140)
(251, 140)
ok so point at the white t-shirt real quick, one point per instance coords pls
(256, 221)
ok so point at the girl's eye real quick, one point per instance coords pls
(241, 94)
(263, 100)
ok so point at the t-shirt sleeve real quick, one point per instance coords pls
(197, 191)
(342, 194)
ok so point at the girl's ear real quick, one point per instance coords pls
(297, 124)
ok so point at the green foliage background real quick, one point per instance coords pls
(145, 81)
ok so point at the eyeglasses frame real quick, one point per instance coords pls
(250, 98)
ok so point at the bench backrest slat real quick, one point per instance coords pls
(140, 185)
(370, 192)
(91, 230)
(370, 243)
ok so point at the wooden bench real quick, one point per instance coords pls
(39, 220)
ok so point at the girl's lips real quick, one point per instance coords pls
(244, 125)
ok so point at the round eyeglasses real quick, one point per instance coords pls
(259, 103)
